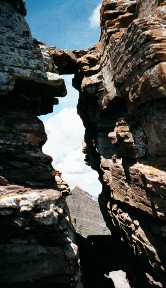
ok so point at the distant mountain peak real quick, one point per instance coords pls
(85, 213)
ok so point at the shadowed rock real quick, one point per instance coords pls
(122, 106)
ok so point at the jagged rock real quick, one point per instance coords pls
(19, 5)
(37, 239)
(37, 242)
(62, 185)
(122, 106)
(65, 60)
(29, 83)
(22, 138)
(26, 64)
(121, 83)
(85, 214)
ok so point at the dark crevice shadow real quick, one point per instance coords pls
(127, 163)
(99, 255)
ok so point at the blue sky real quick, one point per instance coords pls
(67, 24)
(63, 23)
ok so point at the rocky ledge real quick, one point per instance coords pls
(121, 84)
(37, 239)
(37, 242)
(29, 86)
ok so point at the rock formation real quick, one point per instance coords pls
(85, 214)
(121, 82)
(29, 84)
(37, 242)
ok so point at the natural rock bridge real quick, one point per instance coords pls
(122, 87)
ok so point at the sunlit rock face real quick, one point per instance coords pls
(37, 245)
(122, 103)
(121, 82)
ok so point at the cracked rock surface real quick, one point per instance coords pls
(121, 84)
(37, 242)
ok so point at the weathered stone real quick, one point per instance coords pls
(26, 64)
(85, 214)
(121, 83)
(38, 237)
(37, 242)
(62, 185)
(19, 5)
(65, 60)
(124, 101)
(29, 84)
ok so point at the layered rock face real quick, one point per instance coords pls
(122, 103)
(29, 84)
(85, 214)
(37, 245)
(37, 240)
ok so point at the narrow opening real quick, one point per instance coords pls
(79, 29)
(65, 133)
(64, 127)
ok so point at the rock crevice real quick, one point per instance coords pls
(121, 84)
